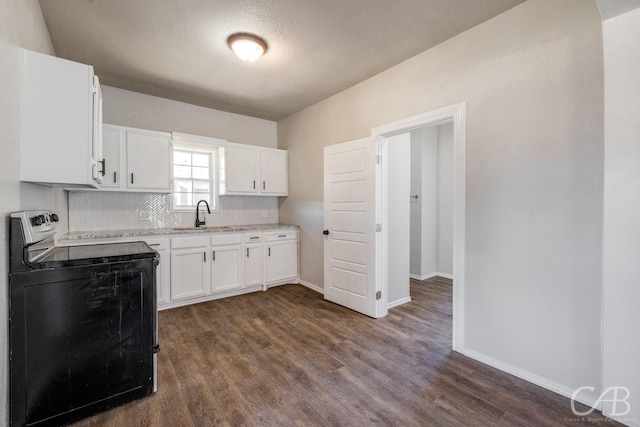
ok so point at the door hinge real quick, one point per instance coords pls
(378, 228)
(378, 295)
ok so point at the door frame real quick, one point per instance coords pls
(457, 114)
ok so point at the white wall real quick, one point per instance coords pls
(415, 207)
(432, 214)
(532, 79)
(126, 108)
(21, 25)
(424, 169)
(444, 205)
(621, 269)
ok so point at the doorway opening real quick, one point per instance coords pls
(393, 210)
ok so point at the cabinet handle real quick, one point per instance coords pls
(205, 256)
(254, 237)
(213, 256)
(104, 167)
(282, 235)
(264, 185)
(269, 250)
(254, 184)
(247, 252)
(114, 177)
(154, 244)
(132, 177)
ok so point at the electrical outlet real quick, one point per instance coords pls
(265, 214)
(144, 216)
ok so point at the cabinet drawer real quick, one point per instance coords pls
(226, 239)
(157, 244)
(281, 235)
(189, 242)
(253, 237)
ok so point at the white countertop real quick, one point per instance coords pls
(104, 234)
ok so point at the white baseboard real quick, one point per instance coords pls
(311, 286)
(429, 276)
(398, 302)
(553, 386)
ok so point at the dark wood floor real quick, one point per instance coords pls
(286, 357)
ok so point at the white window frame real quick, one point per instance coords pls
(203, 145)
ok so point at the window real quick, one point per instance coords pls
(194, 173)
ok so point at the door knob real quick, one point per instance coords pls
(325, 232)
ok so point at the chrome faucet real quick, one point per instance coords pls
(198, 222)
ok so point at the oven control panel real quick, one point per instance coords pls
(37, 225)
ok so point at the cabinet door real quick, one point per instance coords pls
(189, 273)
(281, 261)
(57, 121)
(253, 265)
(225, 268)
(273, 172)
(111, 157)
(148, 160)
(241, 169)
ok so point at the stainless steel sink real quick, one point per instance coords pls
(202, 228)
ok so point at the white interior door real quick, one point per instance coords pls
(349, 218)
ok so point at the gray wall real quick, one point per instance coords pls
(126, 108)
(532, 79)
(622, 209)
(21, 25)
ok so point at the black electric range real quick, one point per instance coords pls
(82, 324)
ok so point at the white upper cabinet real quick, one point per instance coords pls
(111, 143)
(251, 170)
(273, 172)
(60, 122)
(241, 169)
(135, 160)
(148, 160)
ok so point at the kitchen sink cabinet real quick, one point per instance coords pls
(226, 268)
(190, 271)
(250, 170)
(136, 160)
(226, 262)
(281, 257)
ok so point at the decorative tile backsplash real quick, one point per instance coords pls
(101, 210)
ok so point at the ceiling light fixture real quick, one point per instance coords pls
(247, 47)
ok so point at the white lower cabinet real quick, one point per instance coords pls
(210, 265)
(190, 274)
(253, 259)
(281, 257)
(226, 262)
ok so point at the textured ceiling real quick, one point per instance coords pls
(177, 48)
